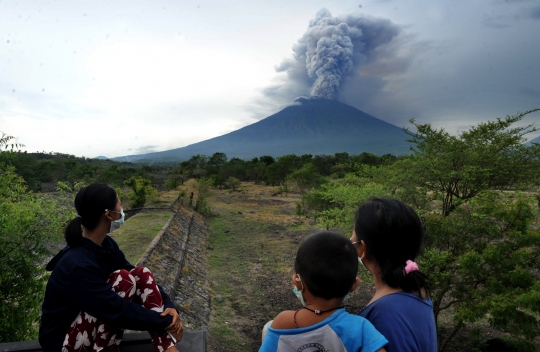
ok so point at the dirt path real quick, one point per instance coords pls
(252, 244)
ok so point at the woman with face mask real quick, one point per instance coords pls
(94, 293)
(388, 236)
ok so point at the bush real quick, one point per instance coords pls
(27, 226)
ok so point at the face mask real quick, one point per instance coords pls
(361, 262)
(299, 294)
(115, 224)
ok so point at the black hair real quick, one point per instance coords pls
(327, 264)
(90, 204)
(393, 234)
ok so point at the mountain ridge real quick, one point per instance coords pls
(308, 126)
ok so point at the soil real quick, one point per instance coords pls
(255, 236)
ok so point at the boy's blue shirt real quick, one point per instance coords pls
(339, 332)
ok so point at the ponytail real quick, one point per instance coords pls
(397, 276)
(73, 232)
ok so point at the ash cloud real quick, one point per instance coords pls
(333, 48)
(336, 57)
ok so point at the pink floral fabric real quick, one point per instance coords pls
(87, 333)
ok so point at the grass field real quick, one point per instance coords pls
(137, 233)
(254, 236)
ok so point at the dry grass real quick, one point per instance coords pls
(137, 233)
(254, 238)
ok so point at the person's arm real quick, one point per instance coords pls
(86, 288)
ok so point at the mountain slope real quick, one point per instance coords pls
(308, 126)
(535, 140)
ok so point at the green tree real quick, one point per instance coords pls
(481, 261)
(306, 178)
(7, 142)
(232, 182)
(490, 155)
(141, 191)
(201, 190)
(27, 226)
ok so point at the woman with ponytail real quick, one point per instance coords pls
(94, 293)
(388, 236)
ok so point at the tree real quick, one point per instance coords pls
(141, 191)
(6, 142)
(481, 261)
(232, 182)
(306, 178)
(27, 226)
(490, 155)
(201, 190)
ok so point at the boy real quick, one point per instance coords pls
(326, 266)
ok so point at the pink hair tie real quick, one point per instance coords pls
(411, 266)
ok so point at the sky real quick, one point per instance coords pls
(115, 78)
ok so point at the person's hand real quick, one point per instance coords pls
(175, 328)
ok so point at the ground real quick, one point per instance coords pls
(253, 238)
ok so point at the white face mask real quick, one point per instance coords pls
(361, 262)
(115, 224)
(299, 294)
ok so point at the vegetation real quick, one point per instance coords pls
(28, 225)
(137, 233)
(478, 194)
(42, 171)
(483, 243)
(141, 191)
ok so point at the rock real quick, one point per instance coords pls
(239, 212)
(210, 248)
(227, 231)
(251, 212)
(218, 298)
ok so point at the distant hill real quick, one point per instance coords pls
(536, 140)
(101, 157)
(308, 126)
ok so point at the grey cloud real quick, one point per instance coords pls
(534, 13)
(529, 91)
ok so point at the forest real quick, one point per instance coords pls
(478, 194)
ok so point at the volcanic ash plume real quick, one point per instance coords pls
(333, 47)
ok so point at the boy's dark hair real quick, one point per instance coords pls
(327, 264)
(393, 234)
(90, 203)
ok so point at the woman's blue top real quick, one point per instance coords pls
(406, 320)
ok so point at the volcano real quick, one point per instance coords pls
(308, 126)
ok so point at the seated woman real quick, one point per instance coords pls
(94, 293)
(388, 236)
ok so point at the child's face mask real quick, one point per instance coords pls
(299, 293)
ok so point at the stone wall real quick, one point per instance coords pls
(177, 257)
